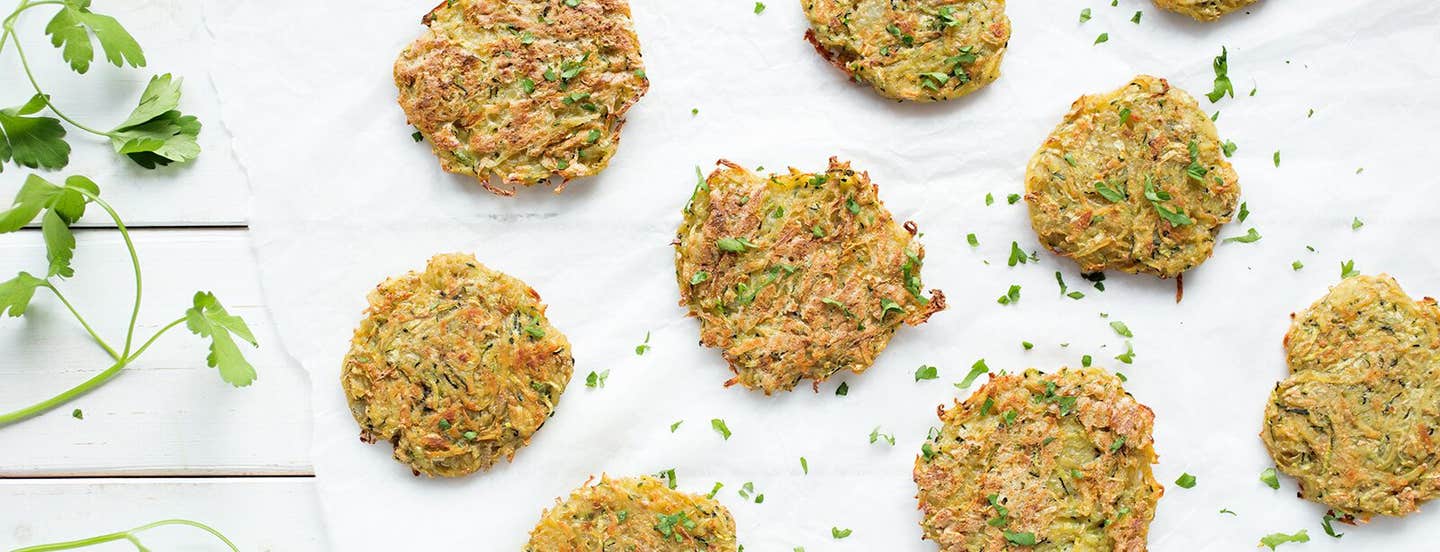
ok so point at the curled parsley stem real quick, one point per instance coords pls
(25, 64)
(62, 206)
(130, 535)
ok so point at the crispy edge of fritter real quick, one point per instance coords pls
(1203, 10)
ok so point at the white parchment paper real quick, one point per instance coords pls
(345, 198)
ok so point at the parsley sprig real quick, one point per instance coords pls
(130, 535)
(155, 134)
(58, 207)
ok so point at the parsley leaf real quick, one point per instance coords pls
(70, 31)
(1011, 296)
(976, 370)
(927, 372)
(208, 318)
(1228, 148)
(32, 142)
(734, 245)
(1276, 539)
(719, 426)
(1175, 217)
(1185, 481)
(1084, 15)
(1113, 194)
(155, 133)
(16, 293)
(1244, 211)
(1325, 524)
(597, 379)
(1269, 478)
(1347, 269)
(1017, 255)
(1121, 328)
(1104, 37)
(1022, 539)
(642, 348)
(875, 435)
(1251, 236)
(759, 8)
(1222, 77)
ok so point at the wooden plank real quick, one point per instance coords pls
(256, 513)
(169, 413)
(212, 190)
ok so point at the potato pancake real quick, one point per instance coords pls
(1045, 462)
(918, 50)
(637, 513)
(797, 276)
(1133, 180)
(1203, 10)
(522, 90)
(1355, 421)
(455, 366)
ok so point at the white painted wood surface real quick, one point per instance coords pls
(169, 413)
(259, 514)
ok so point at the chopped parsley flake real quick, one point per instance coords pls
(1244, 211)
(1297, 265)
(734, 245)
(720, 427)
(1104, 37)
(1269, 478)
(875, 435)
(676, 425)
(1121, 328)
(1017, 255)
(843, 390)
(1027, 345)
(1025, 538)
(643, 347)
(1084, 15)
(1227, 511)
(1277, 158)
(839, 533)
(1186, 481)
(972, 240)
(976, 370)
(989, 199)
(1276, 539)
(1012, 198)
(1011, 296)
(759, 8)
(1356, 224)
(927, 372)
(804, 465)
(1347, 269)
(1136, 18)
(1228, 148)
(1223, 86)
(1251, 236)
(1128, 357)
(594, 380)
(1325, 524)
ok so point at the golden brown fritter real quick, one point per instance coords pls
(633, 514)
(522, 89)
(1044, 462)
(1355, 422)
(919, 50)
(1133, 180)
(455, 366)
(1203, 10)
(797, 275)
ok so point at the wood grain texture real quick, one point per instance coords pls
(168, 414)
(259, 514)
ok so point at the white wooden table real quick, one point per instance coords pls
(167, 438)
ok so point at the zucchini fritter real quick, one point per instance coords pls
(456, 366)
(638, 514)
(1133, 180)
(1051, 462)
(1355, 422)
(522, 89)
(919, 50)
(1203, 10)
(797, 275)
